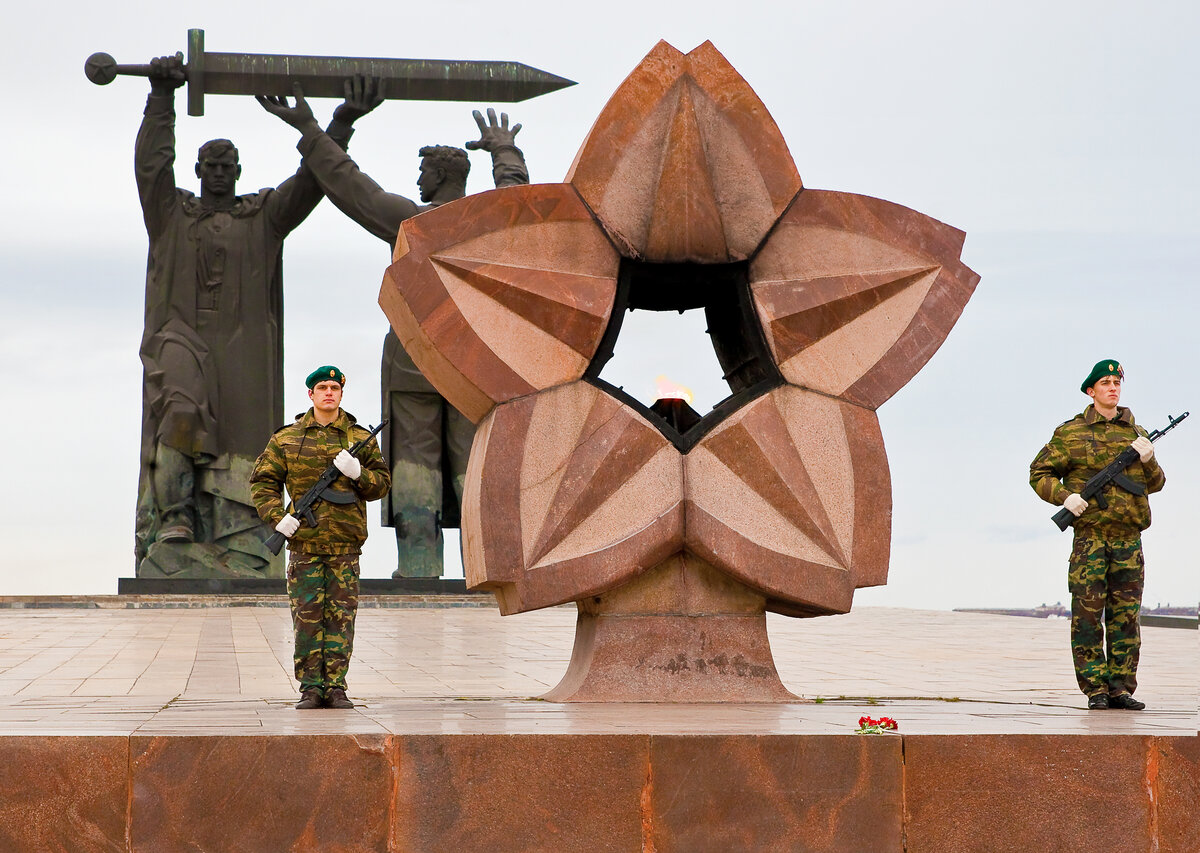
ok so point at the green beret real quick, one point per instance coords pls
(321, 374)
(1108, 367)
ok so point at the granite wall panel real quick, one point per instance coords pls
(1001, 793)
(1175, 767)
(319, 793)
(63, 793)
(811, 794)
(500, 793)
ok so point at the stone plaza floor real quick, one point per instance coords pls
(421, 669)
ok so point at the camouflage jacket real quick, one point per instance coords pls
(1080, 448)
(295, 457)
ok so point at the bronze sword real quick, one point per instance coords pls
(324, 76)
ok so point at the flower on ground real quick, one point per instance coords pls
(871, 726)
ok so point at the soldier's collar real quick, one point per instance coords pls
(1091, 416)
(344, 421)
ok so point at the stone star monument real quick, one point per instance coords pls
(673, 532)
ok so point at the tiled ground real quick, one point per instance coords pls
(447, 670)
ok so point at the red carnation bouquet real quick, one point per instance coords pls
(871, 726)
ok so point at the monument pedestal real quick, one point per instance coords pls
(680, 632)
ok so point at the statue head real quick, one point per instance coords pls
(217, 168)
(444, 171)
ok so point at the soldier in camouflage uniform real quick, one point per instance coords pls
(1106, 569)
(322, 575)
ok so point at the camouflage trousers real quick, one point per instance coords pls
(1106, 578)
(323, 591)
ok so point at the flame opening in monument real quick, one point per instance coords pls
(666, 389)
(676, 412)
(673, 403)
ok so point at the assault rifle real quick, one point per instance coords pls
(320, 491)
(1114, 472)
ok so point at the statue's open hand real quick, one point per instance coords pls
(363, 94)
(493, 135)
(300, 116)
(167, 73)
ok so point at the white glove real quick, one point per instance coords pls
(348, 465)
(288, 525)
(1144, 447)
(1075, 505)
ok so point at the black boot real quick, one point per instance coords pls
(309, 699)
(1125, 702)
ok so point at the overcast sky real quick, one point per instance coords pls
(1059, 136)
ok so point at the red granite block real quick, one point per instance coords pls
(296, 793)
(856, 294)
(1019, 793)
(1176, 768)
(500, 793)
(63, 793)
(819, 793)
(787, 495)
(502, 293)
(685, 163)
(568, 493)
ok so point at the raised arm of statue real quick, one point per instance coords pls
(296, 197)
(508, 162)
(154, 151)
(348, 187)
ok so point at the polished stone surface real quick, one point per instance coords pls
(1026, 780)
(520, 792)
(685, 163)
(274, 792)
(63, 793)
(570, 494)
(840, 794)
(856, 294)
(501, 294)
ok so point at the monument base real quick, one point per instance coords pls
(690, 792)
(680, 632)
